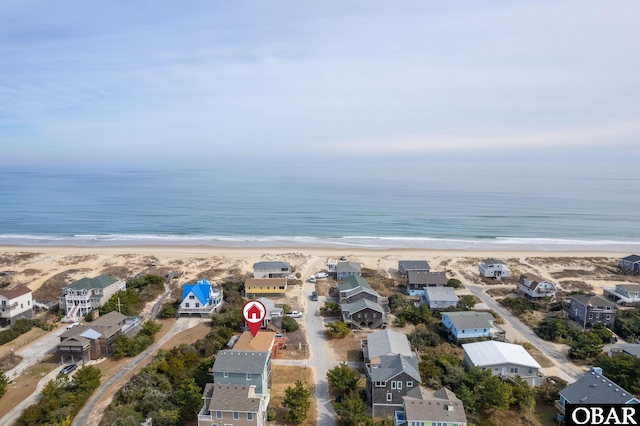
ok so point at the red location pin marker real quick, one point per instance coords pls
(254, 313)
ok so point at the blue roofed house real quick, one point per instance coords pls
(467, 325)
(592, 389)
(200, 299)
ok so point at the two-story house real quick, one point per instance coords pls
(364, 313)
(355, 287)
(276, 286)
(200, 299)
(389, 381)
(14, 305)
(384, 342)
(630, 264)
(503, 360)
(274, 315)
(624, 294)
(589, 310)
(442, 408)
(233, 405)
(439, 297)
(467, 325)
(248, 368)
(83, 296)
(345, 269)
(418, 281)
(592, 389)
(271, 269)
(535, 288)
(405, 266)
(493, 268)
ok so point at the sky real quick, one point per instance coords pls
(184, 82)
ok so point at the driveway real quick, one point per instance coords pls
(37, 351)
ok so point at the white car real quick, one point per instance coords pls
(291, 277)
(312, 279)
(322, 275)
(295, 314)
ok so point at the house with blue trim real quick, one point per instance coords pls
(200, 299)
(467, 325)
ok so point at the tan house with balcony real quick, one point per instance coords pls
(14, 305)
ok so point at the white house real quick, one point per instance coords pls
(536, 288)
(81, 297)
(14, 305)
(624, 294)
(439, 297)
(271, 269)
(200, 299)
(503, 359)
(493, 268)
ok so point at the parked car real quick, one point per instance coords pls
(343, 258)
(295, 314)
(70, 326)
(312, 279)
(314, 296)
(291, 277)
(322, 275)
(68, 369)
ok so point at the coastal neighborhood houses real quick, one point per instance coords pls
(494, 268)
(83, 296)
(200, 299)
(14, 305)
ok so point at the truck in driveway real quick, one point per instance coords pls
(322, 275)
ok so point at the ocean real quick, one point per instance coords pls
(377, 205)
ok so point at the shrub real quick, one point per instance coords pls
(518, 306)
(454, 282)
(167, 311)
(338, 329)
(289, 324)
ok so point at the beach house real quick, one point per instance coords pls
(493, 268)
(404, 266)
(250, 368)
(535, 288)
(226, 404)
(589, 310)
(467, 325)
(442, 408)
(624, 294)
(354, 287)
(384, 342)
(418, 281)
(83, 296)
(364, 313)
(201, 299)
(274, 315)
(503, 360)
(439, 298)
(14, 305)
(345, 269)
(393, 378)
(630, 264)
(275, 286)
(271, 269)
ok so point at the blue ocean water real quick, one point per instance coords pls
(376, 205)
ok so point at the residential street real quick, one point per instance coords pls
(36, 351)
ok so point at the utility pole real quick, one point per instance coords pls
(119, 305)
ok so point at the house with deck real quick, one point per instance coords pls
(589, 310)
(263, 341)
(345, 269)
(405, 266)
(503, 360)
(275, 286)
(83, 296)
(630, 264)
(441, 408)
(593, 388)
(624, 294)
(493, 268)
(355, 287)
(535, 288)
(201, 299)
(439, 298)
(467, 325)
(15, 304)
(393, 378)
(271, 269)
(364, 313)
(227, 404)
(418, 281)
(250, 368)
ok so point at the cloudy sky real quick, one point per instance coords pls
(153, 81)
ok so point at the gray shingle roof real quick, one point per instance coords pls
(414, 264)
(386, 342)
(632, 258)
(231, 398)
(271, 265)
(592, 300)
(468, 320)
(441, 294)
(359, 305)
(392, 365)
(343, 267)
(443, 406)
(492, 261)
(101, 281)
(241, 362)
(594, 388)
(427, 278)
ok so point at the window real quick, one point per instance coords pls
(218, 414)
(236, 415)
(531, 371)
(495, 368)
(514, 369)
(608, 317)
(389, 396)
(462, 331)
(192, 297)
(485, 330)
(225, 374)
(380, 384)
(399, 385)
(409, 384)
(248, 376)
(197, 305)
(598, 315)
(28, 302)
(186, 305)
(249, 416)
(590, 316)
(393, 385)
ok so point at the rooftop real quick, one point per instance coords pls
(632, 258)
(427, 278)
(241, 362)
(101, 281)
(359, 305)
(483, 354)
(446, 294)
(414, 264)
(392, 365)
(271, 265)
(353, 281)
(443, 406)
(343, 267)
(592, 300)
(263, 341)
(232, 398)
(492, 261)
(16, 292)
(595, 388)
(201, 290)
(469, 319)
(386, 342)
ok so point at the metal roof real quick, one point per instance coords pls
(470, 319)
(271, 265)
(441, 294)
(201, 290)
(485, 354)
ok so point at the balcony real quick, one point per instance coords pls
(10, 307)
(558, 406)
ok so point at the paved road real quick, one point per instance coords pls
(570, 370)
(36, 351)
(180, 325)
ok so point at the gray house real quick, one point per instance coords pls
(384, 342)
(592, 388)
(418, 281)
(439, 297)
(536, 288)
(271, 269)
(355, 287)
(364, 313)
(442, 408)
(503, 360)
(624, 294)
(395, 377)
(247, 368)
(589, 310)
(630, 264)
(404, 266)
(345, 269)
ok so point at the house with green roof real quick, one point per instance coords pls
(200, 299)
(83, 296)
(354, 287)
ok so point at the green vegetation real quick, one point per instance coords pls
(583, 344)
(553, 329)
(466, 302)
(124, 346)
(230, 315)
(518, 305)
(351, 410)
(62, 400)
(330, 308)
(343, 378)
(20, 327)
(627, 324)
(289, 324)
(3, 383)
(168, 310)
(622, 369)
(297, 401)
(405, 310)
(338, 329)
(454, 282)
(420, 339)
(132, 300)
